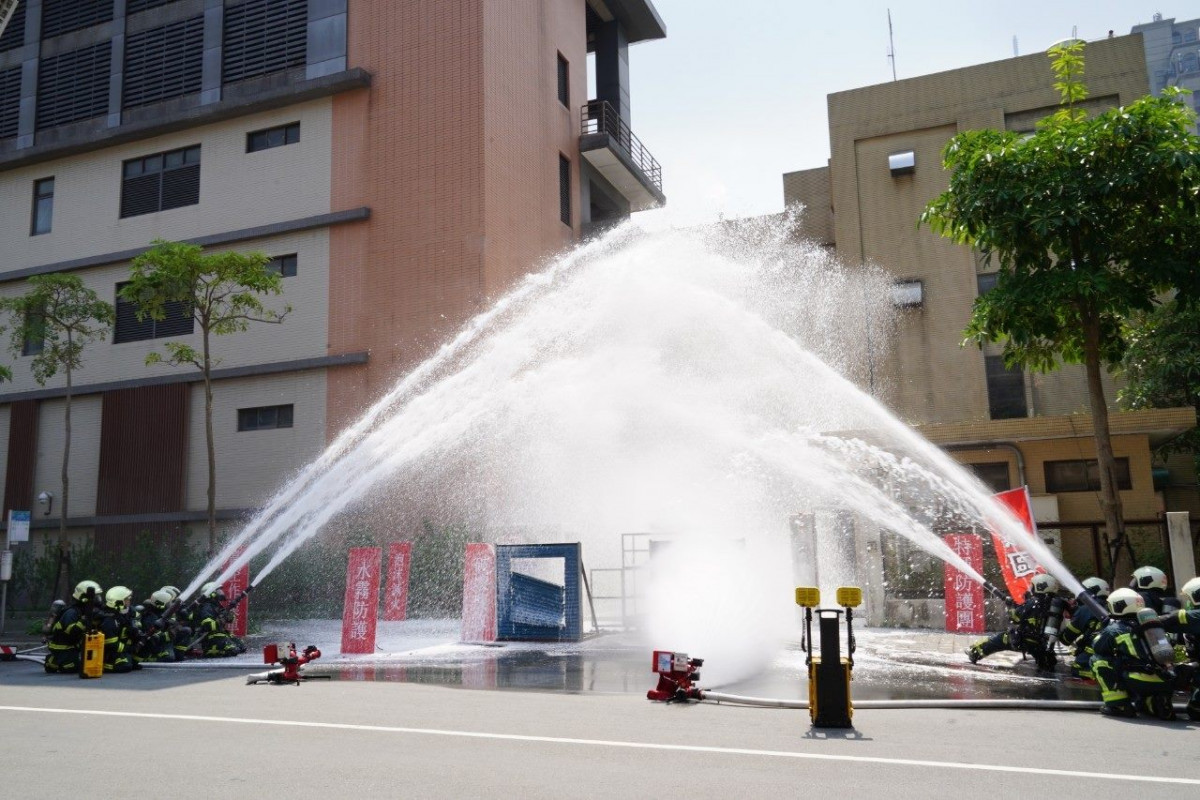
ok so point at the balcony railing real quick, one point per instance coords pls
(600, 117)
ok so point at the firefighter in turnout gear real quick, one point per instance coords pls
(157, 642)
(1026, 635)
(1130, 678)
(65, 640)
(1080, 631)
(118, 629)
(1186, 622)
(211, 619)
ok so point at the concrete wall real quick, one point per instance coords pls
(84, 460)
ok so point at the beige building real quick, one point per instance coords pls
(1012, 427)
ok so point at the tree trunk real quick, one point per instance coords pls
(1110, 498)
(212, 451)
(63, 552)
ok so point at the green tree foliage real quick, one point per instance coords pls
(1090, 220)
(224, 293)
(57, 318)
(1162, 365)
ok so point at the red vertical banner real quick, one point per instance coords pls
(964, 597)
(395, 598)
(1017, 566)
(233, 589)
(362, 600)
(479, 594)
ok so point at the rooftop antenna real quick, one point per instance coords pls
(891, 45)
(1016, 49)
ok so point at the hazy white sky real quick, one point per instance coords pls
(735, 95)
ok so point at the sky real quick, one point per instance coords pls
(735, 96)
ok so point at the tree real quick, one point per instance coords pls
(223, 292)
(1162, 366)
(54, 321)
(1091, 220)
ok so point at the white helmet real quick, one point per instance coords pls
(1148, 578)
(207, 589)
(173, 591)
(1044, 584)
(1098, 587)
(161, 599)
(117, 598)
(1191, 593)
(1125, 603)
(88, 590)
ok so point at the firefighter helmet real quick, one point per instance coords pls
(1125, 603)
(161, 599)
(88, 590)
(117, 598)
(1148, 578)
(1191, 593)
(171, 590)
(1098, 587)
(212, 591)
(1044, 584)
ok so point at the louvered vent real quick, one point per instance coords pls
(14, 34)
(264, 36)
(63, 16)
(164, 62)
(73, 86)
(134, 6)
(161, 181)
(10, 101)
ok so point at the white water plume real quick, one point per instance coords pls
(695, 385)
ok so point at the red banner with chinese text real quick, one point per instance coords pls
(233, 589)
(1017, 566)
(395, 599)
(362, 600)
(964, 597)
(479, 594)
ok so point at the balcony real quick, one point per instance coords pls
(609, 145)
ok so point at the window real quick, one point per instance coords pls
(1006, 389)
(35, 335)
(993, 475)
(272, 137)
(264, 418)
(177, 321)
(564, 81)
(161, 181)
(986, 282)
(283, 265)
(43, 206)
(564, 189)
(1083, 475)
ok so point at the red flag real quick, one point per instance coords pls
(1016, 564)
(479, 594)
(233, 589)
(395, 599)
(362, 600)
(964, 597)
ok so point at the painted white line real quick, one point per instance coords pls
(685, 748)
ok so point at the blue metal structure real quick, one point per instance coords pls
(531, 609)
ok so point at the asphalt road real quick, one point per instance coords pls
(205, 733)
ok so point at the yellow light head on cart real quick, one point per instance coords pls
(808, 596)
(849, 596)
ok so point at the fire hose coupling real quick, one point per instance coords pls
(677, 677)
(286, 655)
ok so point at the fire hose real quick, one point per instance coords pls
(947, 703)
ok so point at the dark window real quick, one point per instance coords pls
(264, 418)
(73, 86)
(14, 34)
(10, 101)
(284, 265)
(163, 62)
(177, 321)
(986, 282)
(161, 181)
(1006, 389)
(263, 36)
(62, 16)
(134, 6)
(564, 81)
(993, 475)
(564, 189)
(1082, 475)
(35, 335)
(272, 137)
(43, 206)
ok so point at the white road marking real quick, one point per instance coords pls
(686, 748)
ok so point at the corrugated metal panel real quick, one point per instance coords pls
(143, 450)
(22, 454)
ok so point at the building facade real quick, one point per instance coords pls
(1011, 427)
(1172, 55)
(401, 162)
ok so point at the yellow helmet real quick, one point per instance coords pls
(118, 598)
(88, 590)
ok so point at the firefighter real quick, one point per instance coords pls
(157, 642)
(67, 631)
(1080, 631)
(1151, 584)
(1026, 635)
(120, 636)
(210, 618)
(1186, 623)
(1130, 679)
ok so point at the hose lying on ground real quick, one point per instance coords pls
(950, 703)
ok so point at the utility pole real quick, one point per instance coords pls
(891, 45)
